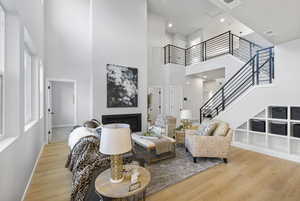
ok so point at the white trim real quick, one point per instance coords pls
(266, 151)
(6, 142)
(32, 173)
(63, 125)
(48, 80)
(162, 94)
(30, 125)
(2, 134)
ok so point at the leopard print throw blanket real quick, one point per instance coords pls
(82, 161)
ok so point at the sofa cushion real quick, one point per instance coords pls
(221, 129)
(207, 129)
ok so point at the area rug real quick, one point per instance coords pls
(172, 171)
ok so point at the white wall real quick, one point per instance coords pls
(68, 48)
(209, 88)
(119, 37)
(258, 39)
(282, 92)
(193, 91)
(229, 62)
(171, 75)
(19, 149)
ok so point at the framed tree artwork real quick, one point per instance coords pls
(122, 86)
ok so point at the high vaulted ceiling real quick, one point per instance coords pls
(275, 20)
(281, 18)
(187, 16)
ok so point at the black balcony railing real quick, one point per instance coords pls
(258, 69)
(225, 43)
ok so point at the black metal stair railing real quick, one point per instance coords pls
(225, 43)
(259, 69)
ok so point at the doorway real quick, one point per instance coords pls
(61, 109)
(155, 103)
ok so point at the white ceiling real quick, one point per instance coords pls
(280, 16)
(186, 16)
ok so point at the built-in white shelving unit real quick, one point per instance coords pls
(274, 131)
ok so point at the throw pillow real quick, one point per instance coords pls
(221, 129)
(207, 129)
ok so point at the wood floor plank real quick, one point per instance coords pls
(248, 176)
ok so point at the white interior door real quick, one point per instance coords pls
(61, 108)
(156, 102)
(175, 101)
(49, 112)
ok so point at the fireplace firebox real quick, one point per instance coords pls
(134, 120)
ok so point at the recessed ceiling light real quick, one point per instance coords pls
(269, 33)
(222, 20)
(170, 25)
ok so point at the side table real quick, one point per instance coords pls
(120, 191)
(180, 137)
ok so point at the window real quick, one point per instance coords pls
(41, 89)
(2, 63)
(28, 85)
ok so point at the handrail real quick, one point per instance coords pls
(225, 43)
(242, 80)
(242, 38)
(226, 83)
(208, 39)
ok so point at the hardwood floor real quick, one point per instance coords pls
(248, 176)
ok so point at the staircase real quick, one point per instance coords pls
(257, 70)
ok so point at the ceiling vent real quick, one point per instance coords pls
(231, 4)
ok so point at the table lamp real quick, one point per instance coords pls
(186, 116)
(115, 140)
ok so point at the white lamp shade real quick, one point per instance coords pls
(115, 139)
(186, 114)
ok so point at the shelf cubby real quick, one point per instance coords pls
(277, 127)
(295, 113)
(295, 129)
(275, 131)
(278, 112)
(244, 126)
(257, 125)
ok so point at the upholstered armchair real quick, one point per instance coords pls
(208, 146)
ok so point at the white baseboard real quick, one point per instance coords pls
(261, 150)
(32, 173)
(63, 126)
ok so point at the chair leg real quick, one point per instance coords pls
(195, 159)
(225, 160)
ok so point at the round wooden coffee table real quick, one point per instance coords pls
(120, 191)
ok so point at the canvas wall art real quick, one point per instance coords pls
(122, 86)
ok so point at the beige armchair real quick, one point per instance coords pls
(208, 146)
